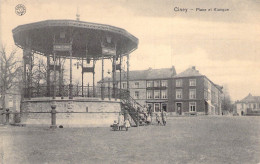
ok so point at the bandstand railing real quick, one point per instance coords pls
(77, 91)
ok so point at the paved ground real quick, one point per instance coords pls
(184, 140)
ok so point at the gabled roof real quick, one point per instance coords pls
(189, 72)
(251, 98)
(149, 74)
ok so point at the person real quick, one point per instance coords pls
(114, 126)
(158, 119)
(149, 119)
(127, 124)
(120, 121)
(164, 117)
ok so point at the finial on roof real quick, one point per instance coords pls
(77, 15)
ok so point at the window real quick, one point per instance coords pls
(192, 82)
(178, 94)
(192, 106)
(164, 107)
(149, 84)
(157, 83)
(164, 83)
(157, 107)
(156, 94)
(164, 94)
(178, 83)
(192, 94)
(123, 85)
(149, 94)
(136, 84)
(136, 94)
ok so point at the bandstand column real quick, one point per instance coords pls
(54, 80)
(60, 78)
(24, 73)
(94, 62)
(48, 75)
(70, 85)
(120, 76)
(114, 76)
(30, 74)
(82, 77)
(102, 84)
(127, 80)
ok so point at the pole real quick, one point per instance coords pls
(114, 76)
(53, 116)
(54, 80)
(127, 80)
(30, 77)
(24, 73)
(94, 77)
(102, 84)
(48, 75)
(70, 85)
(60, 88)
(82, 82)
(120, 76)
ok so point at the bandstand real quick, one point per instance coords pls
(68, 40)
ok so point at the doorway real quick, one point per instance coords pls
(179, 108)
(164, 107)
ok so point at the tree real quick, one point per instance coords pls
(10, 72)
(227, 104)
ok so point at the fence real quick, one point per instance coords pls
(77, 91)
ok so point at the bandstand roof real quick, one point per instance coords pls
(84, 36)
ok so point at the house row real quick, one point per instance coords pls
(188, 92)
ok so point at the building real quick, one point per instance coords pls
(194, 93)
(248, 105)
(148, 87)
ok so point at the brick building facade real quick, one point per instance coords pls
(194, 93)
(188, 92)
(148, 87)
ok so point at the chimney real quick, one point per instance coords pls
(193, 67)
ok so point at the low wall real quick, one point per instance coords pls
(70, 119)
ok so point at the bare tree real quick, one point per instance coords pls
(10, 73)
(227, 105)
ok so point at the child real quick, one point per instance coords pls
(115, 125)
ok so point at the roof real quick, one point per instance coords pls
(86, 36)
(192, 72)
(189, 72)
(251, 98)
(149, 74)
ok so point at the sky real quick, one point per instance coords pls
(223, 45)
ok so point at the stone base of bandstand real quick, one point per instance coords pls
(96, 112)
